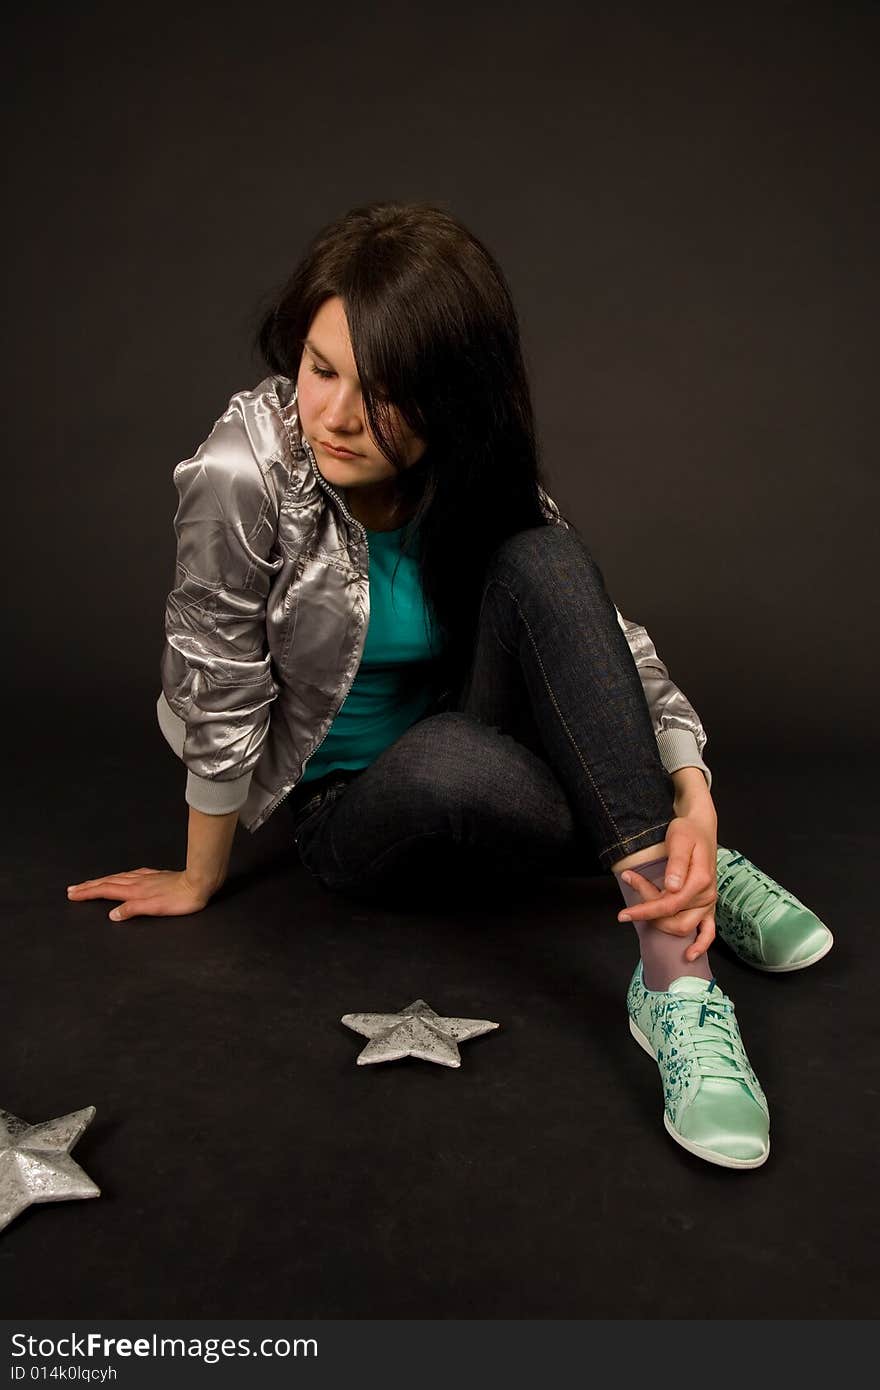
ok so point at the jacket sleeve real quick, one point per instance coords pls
(680, 735)
(217, 681)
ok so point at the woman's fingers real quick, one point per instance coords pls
(655, 902)
(135, 908)
(665, 905)
(106, 888)
(683, 924)
(705, 937)
(113, 880)
(633, 879)
(675, 913)
(702, 875)
(669, 904)
(124, 873)
(100, 890)
(679, 865)
(160, 906)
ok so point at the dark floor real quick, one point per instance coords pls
(249, 1167)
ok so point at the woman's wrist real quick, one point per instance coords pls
(692, 794)
(205, 885)
(209, 848)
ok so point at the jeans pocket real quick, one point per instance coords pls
(311, 816)
(307, 810)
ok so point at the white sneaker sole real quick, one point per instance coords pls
(782, 969)
(709, 1155)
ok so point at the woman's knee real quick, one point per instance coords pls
(410, 806)
(437, 760)
(459, 776)
(545, 552)
(450, 772)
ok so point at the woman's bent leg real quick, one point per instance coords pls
(452, 797)
(546, 615)
(552, 663)
(553, 667)
(551, 761)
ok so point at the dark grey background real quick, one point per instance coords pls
(683, 199)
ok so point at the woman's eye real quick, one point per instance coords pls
(319, 371)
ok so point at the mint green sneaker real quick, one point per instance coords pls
(761, 922)
(713, 1103)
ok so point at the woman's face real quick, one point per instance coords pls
(331, 408)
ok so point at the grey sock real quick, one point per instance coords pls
(663, 958)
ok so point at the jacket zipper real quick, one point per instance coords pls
(333, 493)
(363, 530)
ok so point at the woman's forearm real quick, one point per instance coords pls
(209, 847)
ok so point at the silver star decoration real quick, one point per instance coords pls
(35, 1162)
(415, 1032)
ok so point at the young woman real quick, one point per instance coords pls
(382, 622)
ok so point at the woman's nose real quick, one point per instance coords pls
(342, 410)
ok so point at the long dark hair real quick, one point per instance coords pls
(435, 333)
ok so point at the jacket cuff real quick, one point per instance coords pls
(204, 794)
(679, 748)
(216, 798)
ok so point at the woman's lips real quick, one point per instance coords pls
(340, 453)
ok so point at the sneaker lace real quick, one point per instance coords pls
(746, 891)
(714, 1033)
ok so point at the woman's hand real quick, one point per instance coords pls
(687, 902)
(145, 893)
(165, 892)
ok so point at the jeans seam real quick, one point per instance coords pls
(622, 843)
(598, 794)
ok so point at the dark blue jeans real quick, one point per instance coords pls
(548, 764)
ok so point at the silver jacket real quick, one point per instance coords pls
(266, 623)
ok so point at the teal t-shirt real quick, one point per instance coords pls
(394, 685)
